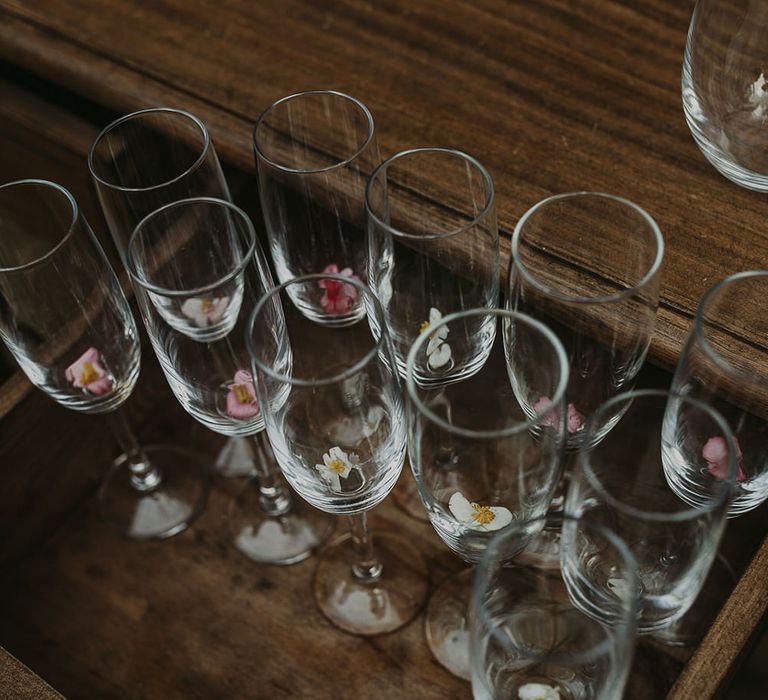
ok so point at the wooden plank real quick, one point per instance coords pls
(736, 623)
(550, 96)
(17, 682)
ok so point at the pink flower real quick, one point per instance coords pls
(715, 454)
(575, 419)
(88, 373)
(241, 397)
(337, 296)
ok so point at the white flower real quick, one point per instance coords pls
(337, 465)
(438, 351)
(205, 311)
(477, 517)
(538, 691)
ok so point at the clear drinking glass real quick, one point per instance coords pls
(528, 639)
(143, 161)
(150, 158)
(434, 250)
(587, 265)
(622, 484)
(314, 152)
(198, 271)
(725, 95)
(65, 319)
(725, 364)
(334, 412)
(480, 456)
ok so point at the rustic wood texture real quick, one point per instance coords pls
(551, 96)
(19, 683)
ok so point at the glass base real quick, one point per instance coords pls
(447, 626)
(371, 607)
(276, 539)
(164, 510)
(406, 497)
(235, 459)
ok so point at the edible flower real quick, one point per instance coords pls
(338, 297)
(438, 351)
(241, 397)
(715, 453)
(337, 465)
(476, 516)
(538, 691)
(205, 311)
(575, 419)
(88, 372)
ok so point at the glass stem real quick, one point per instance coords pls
(367, 567)
(144, 476)
(274, 497)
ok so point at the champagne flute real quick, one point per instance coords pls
(333, 408)
(588, 265)
(65, 319)
(481, 458)
(314, 152)
(433, 249)
(142, 161)
(197, 271)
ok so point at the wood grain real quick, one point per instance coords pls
(551, 96)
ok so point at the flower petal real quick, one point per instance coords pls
(441, 357)
(502, 518)
(461, 508)
(434, 315)
(575, 419)
(537, 691)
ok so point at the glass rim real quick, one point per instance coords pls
(46, 184)
(274, 293)
(137, 115)
(624, 628)
(310, 171)
(381, 168)
(519, 427)
(516, 260)
(130, 263)
(712, 503)
(698, 321)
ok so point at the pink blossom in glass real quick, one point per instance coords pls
(87, 372)
(338, 296)
(575, 419)
(715, 453)
(241, 397)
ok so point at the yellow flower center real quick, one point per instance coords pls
(336, 465)
(241, 393)
(482, 514)
(89, 374)
(206, 305)
(424, 325)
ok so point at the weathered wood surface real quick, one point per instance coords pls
(550, 95)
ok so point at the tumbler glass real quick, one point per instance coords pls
(725, 99)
